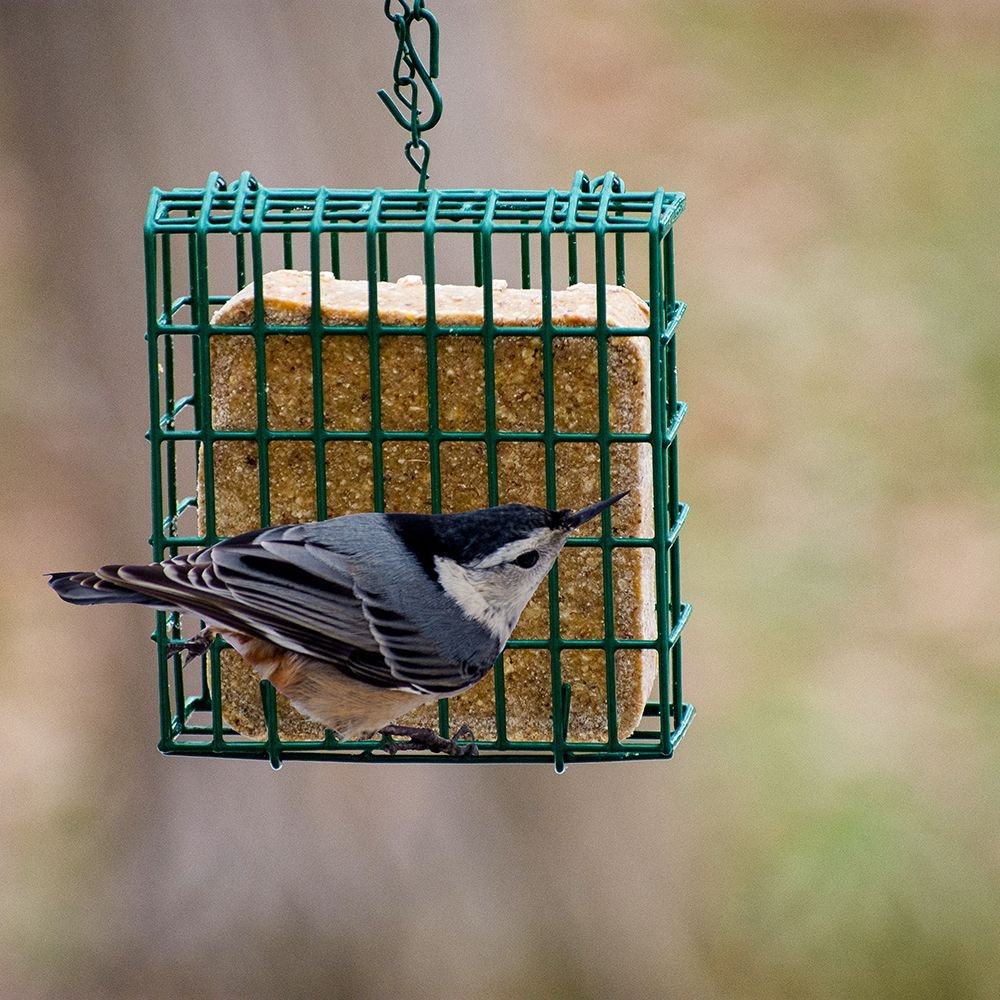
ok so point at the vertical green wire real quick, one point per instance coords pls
(169, 403)
(263, 429)
(620, 256)
(658, 418)
(272, 739)
(433, 421)
(383, 256)
(604, 430)
(260, 358)
(153, 363)
(432, 332)
(247, 184)
(669, 292)
(169, 400)
(489, 348)
(201, 362)
(560, 692)
(204, 455)
(484, 266)
(241, 261)
(335, 254)
(525, 258)
(673, 491)
(156, 458)
(477, 259)
(374, 346)
(316, 339)
(200, 294)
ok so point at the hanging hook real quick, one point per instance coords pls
(407, 70)
(421, 164)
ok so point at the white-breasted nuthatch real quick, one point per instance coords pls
(361, 618)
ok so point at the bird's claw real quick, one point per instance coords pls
(196, 646)
(420, 738)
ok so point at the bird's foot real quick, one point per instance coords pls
(420, 738)
(196, 646)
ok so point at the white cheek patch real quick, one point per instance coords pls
(493, 593)
(461, 589)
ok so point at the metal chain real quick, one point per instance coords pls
(408, 72)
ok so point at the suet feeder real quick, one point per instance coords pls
(274, 400)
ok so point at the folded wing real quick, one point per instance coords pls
(299, 592)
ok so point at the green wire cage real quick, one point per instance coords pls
(202, 245)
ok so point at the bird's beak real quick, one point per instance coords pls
(575, 518)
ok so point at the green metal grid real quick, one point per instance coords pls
(178, 336)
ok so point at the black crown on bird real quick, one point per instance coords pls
(468, 536)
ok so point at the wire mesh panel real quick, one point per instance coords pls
(205, 245)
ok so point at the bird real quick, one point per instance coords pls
(361, 618)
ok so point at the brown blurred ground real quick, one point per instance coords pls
(829, 826)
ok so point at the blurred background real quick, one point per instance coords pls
(829, 826)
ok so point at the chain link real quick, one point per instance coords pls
(408, 73)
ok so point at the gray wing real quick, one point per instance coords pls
(299, 591)
(409, 655)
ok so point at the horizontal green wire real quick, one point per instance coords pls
(519, 752)
(389, 435)
(180, 329)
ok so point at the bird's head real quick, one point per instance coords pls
(491, 561)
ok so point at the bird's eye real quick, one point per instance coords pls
(527, 559)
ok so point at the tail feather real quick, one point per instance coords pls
(89, 588)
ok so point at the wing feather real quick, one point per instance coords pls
(410, 656)
(299, 592)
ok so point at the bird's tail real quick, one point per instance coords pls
(94, 588)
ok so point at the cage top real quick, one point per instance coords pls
(596, 206)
